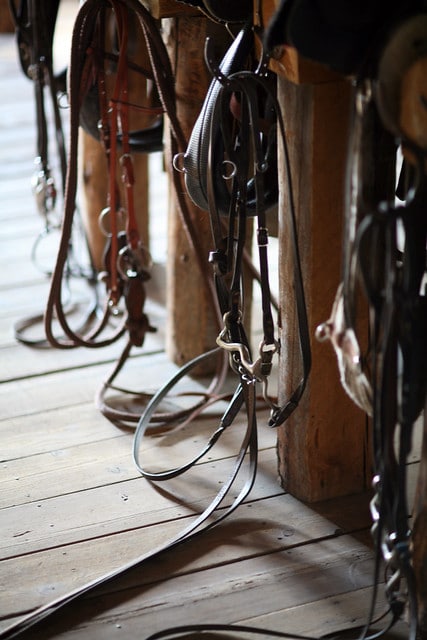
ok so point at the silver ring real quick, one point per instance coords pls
(179, 158)
(229, 176)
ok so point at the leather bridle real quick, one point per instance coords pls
(249, 87)
(242, 141)
(389, 380)
(35, 28)
(127, 260)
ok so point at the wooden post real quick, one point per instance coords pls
(323, 447)
(192, 327)
(6, 21)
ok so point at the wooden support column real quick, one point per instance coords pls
(323, 447)
(191, 327)
(6, 21)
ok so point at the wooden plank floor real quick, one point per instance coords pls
(73, 506)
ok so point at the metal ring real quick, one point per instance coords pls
(104, 213)
(179, 167)
(233, 173)
(101, 218)
(63, 100)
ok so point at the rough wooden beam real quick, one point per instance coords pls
(6, 22)
(169, 8)
(323, 446)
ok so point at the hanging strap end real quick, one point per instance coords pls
(281, 414)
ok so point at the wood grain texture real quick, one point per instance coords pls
(315, 441)
(193, 327)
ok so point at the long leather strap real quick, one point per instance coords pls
(81, 43)
(210, 517)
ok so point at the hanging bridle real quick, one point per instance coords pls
(246, 134)
(389, 381)
(127, 262)
(35, 28)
